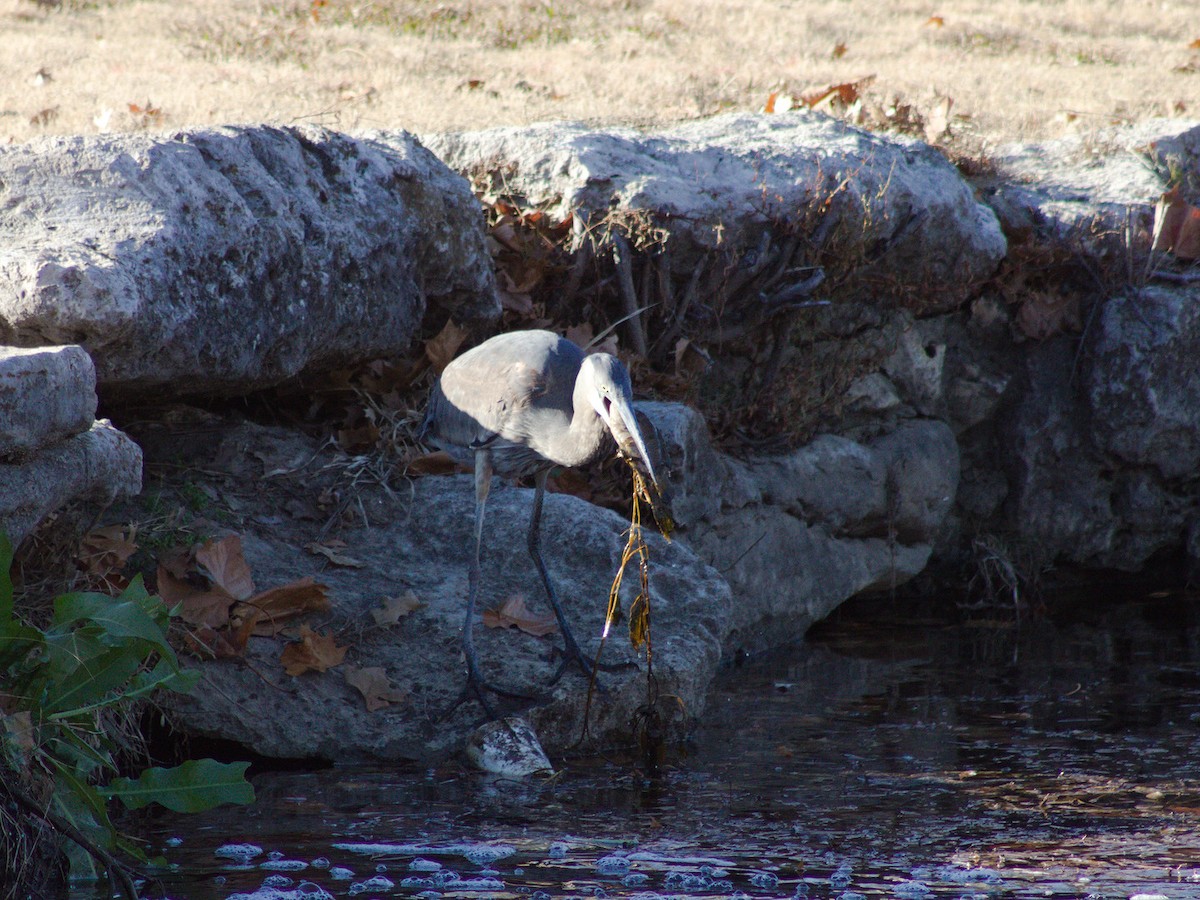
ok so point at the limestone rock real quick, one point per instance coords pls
(46, 394)
(904, 223)
(100, 464)
(422, 542)
(799, 533)
(221, 260)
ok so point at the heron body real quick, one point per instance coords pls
(520, 404)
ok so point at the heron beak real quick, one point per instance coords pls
(625, 429)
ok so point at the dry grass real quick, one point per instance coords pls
(1015, 70)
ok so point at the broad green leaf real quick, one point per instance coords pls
(93, 681)
(69, 746)
(194, 786)
(16, 640)
(68, 651)
(119, 619)
(6, 588)
(167, 675)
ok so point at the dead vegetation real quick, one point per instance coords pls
(966, 73)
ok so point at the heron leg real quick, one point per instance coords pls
(571, 651)
(477, 686)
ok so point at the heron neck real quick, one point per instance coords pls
(584, 441)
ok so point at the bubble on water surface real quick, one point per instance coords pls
(374, 883)
(635, 879)
(283, 865)
(558, 850)
(277, 881)
(765, 880)
(486, 854)
(612, 865)
(912, 890)
(421, 864)
(239, 852)
(340, 873)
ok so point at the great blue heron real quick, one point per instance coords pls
(520, 404)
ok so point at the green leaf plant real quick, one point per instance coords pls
(97, 654)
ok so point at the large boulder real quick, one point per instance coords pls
(52, 449)
(420, 540)
(1101, 442)
(221, 260)
(892, 215)
(797, 534)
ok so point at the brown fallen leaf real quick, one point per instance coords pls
(372, 682)
(226, 567)
(363, 437)
(437, 463)
(839, 50)
(1177, 225)
(275, 606)
(934, 22)
(104, 552)
(332, 552)
(844, 93)
(396, 608)
(208, 643)
(441, 349)
(514, 614)
(196, 606)
(313, 652)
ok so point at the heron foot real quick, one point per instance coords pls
(588, 667)
(477, 688)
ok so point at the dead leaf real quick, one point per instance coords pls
(437, 463)
(353, 440)
(1194, 45)
(313, 652)
(827, 95)
(778, 101)
(332, 552)
(396, 608)
(934, 22)
(580, 334)
(275, 606)
(1177, 225)
(104, 552)
(514, 614)
(223, 562)
(177, 561)
(196, 606)
(372, 682)
(208, 643)
(440, 350)
(839, 50)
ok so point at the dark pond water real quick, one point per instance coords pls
(891, 755)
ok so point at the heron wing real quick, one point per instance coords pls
(505, 393)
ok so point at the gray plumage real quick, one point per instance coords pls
(520, 404)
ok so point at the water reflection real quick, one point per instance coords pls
(889, 756)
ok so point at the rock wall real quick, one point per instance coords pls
(1032, 385)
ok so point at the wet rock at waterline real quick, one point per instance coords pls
(797, 533)
(221, 260)
(508, 747)
(1101, 468)
(420, 539)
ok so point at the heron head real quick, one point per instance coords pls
(611, 395)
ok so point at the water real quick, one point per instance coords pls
(899, 757)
